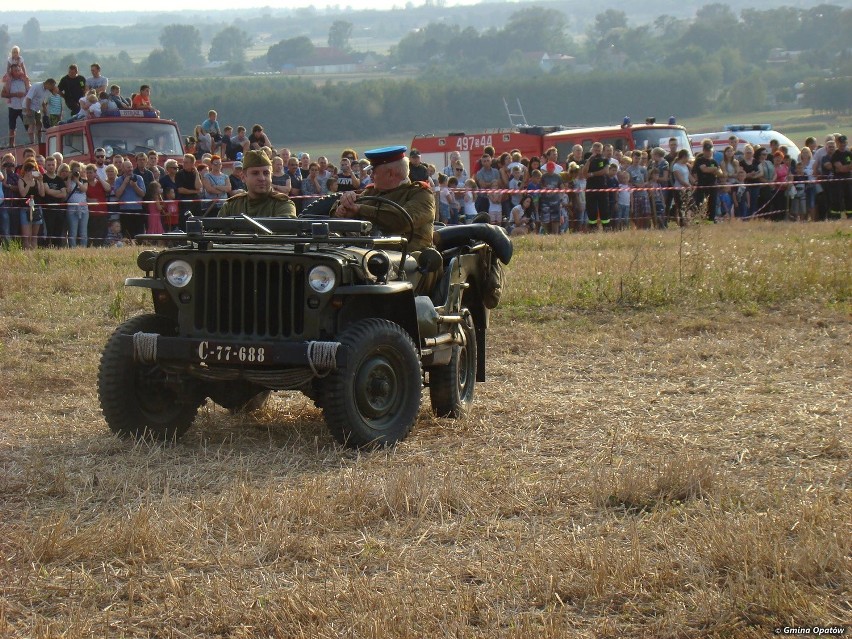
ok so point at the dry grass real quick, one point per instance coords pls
(671, 461)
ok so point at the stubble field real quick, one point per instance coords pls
(662, 449)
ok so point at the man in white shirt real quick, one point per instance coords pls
(32, 107)
(96, 82)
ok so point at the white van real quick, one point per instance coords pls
(754, 134)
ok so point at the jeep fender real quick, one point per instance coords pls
(163, 303)
(393, 301)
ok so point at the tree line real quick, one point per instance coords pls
(717, 60)
(296, 110)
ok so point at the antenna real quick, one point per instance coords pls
(516, 119)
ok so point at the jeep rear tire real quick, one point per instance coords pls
(138, 399)
(375, 399)
(451, 386)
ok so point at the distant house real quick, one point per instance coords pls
(327, 60)
(547, 61)
(782, 56)
(550, 61)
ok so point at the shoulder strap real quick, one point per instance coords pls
(73, 191)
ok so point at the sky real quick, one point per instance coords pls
(169, 5)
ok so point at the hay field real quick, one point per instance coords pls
(662, 450)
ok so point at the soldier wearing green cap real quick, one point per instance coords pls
(390, 180)
(259, 200)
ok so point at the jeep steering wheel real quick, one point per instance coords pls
(383, 200)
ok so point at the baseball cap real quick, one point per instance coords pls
(842, 139)
(238, 165)
(414, 153)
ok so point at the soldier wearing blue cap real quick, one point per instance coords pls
(390, 181)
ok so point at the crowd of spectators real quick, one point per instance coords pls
(607, 189)
(65, 204)
(44, 104)
(115, 199)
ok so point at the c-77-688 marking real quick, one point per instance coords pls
(230, 353)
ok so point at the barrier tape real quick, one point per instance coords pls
(96, 209)
(648, 189)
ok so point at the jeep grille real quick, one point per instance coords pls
(255, 296)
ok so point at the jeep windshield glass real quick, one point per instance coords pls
(649, 138)
(134, 137)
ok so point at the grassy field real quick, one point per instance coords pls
(662, 449)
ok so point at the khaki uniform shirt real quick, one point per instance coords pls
(415, 197)
(270, 205)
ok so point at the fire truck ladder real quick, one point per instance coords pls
(516, 119)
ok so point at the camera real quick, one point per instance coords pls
(76, 174)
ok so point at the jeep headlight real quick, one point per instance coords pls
(321, 279)
(178, 273)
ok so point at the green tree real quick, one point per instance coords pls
(122, 65)
(161, 63)
(607, 21)
(534, 29)
(715, 27)
(290, 51)
(229, 45)
(339, 34)
(31, 33)
(746, 94)
(5, 40)
(185, 40)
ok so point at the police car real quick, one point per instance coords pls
(754, 134)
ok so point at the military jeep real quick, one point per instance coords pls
(326, 307)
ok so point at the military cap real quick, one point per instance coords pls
(385, 155)
(255, 158)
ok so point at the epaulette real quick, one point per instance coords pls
(424, 185)
(237, 196)
(275, 195)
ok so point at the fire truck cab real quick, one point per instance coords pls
(533, 140)
(117, 132)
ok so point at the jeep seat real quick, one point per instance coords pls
(450, 237)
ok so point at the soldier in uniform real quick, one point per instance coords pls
(259, 200)
(390, 181)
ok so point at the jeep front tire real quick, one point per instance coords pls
(139, 399)
(375, 399)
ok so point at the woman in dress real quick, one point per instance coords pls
(680, 182)
(156, 207)
(31, 188)
(96, 196)
(280, 177)
(806, 159)
(523, 219)
(751, 166)
(217, 186)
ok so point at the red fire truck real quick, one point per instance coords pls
(117, 132)
(533, 140)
